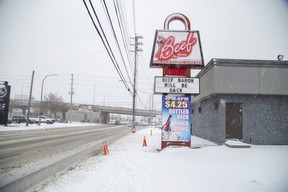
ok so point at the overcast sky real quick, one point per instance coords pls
(57, 37)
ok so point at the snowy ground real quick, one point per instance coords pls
(206, 167)
(22, 126)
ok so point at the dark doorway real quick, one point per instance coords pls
(234, 121)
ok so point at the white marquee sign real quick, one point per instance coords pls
(176, 85)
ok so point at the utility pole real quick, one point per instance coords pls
(30, 96)
(94, 94)
(134, 79)
(71, 97)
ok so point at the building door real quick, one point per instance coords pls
(234, 121)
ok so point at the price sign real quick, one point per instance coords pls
(176, 104)
(176, 118)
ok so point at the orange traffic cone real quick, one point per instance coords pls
(104, 149)
(144, 142)
(107, 150)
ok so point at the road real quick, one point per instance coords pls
(34, 155)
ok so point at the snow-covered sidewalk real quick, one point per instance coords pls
(131, 167)
(22, 126)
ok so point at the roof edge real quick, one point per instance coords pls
(243, 63)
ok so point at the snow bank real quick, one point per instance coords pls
(22, 126)
(208, 167)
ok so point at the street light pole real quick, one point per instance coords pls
(42, 95)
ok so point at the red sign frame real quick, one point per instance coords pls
(177, 48)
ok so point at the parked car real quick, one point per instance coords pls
(61, 121)
(32, 121)
(43, 119)
(18, 119)
(9, 121)
(47, 120)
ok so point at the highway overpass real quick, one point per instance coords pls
(103, 111)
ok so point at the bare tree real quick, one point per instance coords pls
(64, 107)
(53, 104)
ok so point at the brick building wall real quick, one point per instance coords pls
(265, 118)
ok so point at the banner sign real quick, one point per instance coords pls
(182, 48)
(176, 85)
(85, 108)
(176, 120)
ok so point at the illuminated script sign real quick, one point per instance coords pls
(177, 48)
(176, 121)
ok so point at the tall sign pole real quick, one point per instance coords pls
(176, 52)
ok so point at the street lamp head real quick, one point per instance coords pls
(52, 74)
(49, 76)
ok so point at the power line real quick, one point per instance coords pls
(147, 82)
(106, 44)
(115, 36)
(134, 18)
(124, 30)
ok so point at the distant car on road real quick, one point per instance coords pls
(9, 121)
(20, 119)
(61, 121)
(47, 120)
(43, 119)
(130, 124)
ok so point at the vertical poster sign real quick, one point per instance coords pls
(176, 120)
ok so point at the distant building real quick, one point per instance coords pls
(242, 99)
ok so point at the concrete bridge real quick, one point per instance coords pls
(126, 111)
(103, 111)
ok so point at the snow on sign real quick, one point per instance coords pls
(182, 48)
(176, 85)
